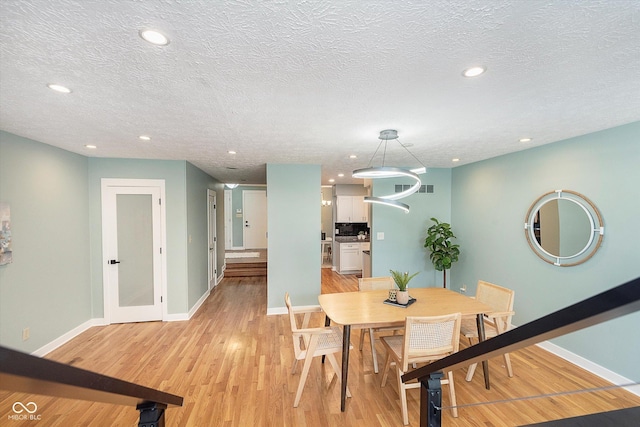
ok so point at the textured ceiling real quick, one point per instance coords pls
(313, 82)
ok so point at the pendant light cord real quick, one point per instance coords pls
(384, 153)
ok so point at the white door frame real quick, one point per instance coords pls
(212, 235)
(115, 182)
(228, 219)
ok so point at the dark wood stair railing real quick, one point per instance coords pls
(616, 302)
(20, 372)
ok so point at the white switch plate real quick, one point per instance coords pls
(380, 235)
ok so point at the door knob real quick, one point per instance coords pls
(113, 261)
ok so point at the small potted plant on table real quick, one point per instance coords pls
(402, 280)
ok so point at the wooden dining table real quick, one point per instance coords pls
(366, 309)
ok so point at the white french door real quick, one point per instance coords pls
(132, 233)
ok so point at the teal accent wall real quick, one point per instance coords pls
(46, 288)
(293, 211)
(490, 200)
(197, 231)
(404, 233)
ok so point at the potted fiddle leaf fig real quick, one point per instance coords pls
(402, 280)
(443, 252)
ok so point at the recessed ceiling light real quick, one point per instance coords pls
(231, 152)
(455, 160)
(353, 156)
(144, 137)
(154, 37)
(525, 139)
(332, 180)
(340, 175)
(91, 147)
(474, 71)
(59, 88)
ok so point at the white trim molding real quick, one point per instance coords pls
(66, 337)
(283, 310)
(590, 366)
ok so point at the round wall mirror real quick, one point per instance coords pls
(564, 228)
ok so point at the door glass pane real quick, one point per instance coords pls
(135, 250)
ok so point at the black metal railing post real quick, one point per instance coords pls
(151, 414)
(431, 400)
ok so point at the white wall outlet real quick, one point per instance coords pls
(463, 289)
(380, 235)
(26, 333)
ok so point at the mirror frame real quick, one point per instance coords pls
(595, 219)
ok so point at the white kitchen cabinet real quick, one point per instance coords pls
(351, 209)
(350, 256)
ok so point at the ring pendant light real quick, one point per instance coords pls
(390, 172)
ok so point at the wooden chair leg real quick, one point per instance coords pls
(337, 370)
(507, 362)
(305, 369)
(470, 372)
(452, 395)
(403, 397)
(385, 372)
(362, 332)
(374, 354)
(472, 368)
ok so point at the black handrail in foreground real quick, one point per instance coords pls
(20, 372)
(619, 301)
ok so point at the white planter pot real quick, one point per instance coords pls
(403, 297)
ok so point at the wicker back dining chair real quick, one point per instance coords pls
(372, 284)
(498, 321)
(312, 342)
(425, 340)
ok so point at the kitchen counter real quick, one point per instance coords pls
(351, 239)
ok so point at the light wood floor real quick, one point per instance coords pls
(232, 364)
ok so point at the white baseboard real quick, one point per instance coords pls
(590, 366)
(199, 303)
(181, 317)
(64, 338)
(176, 317)
(276, 310)
(283, 310)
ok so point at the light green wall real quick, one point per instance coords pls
(404, 233)
(293, 212)
(46, 288)
(197, 231)
(174, 174)
(55, 282)
(489, 203)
